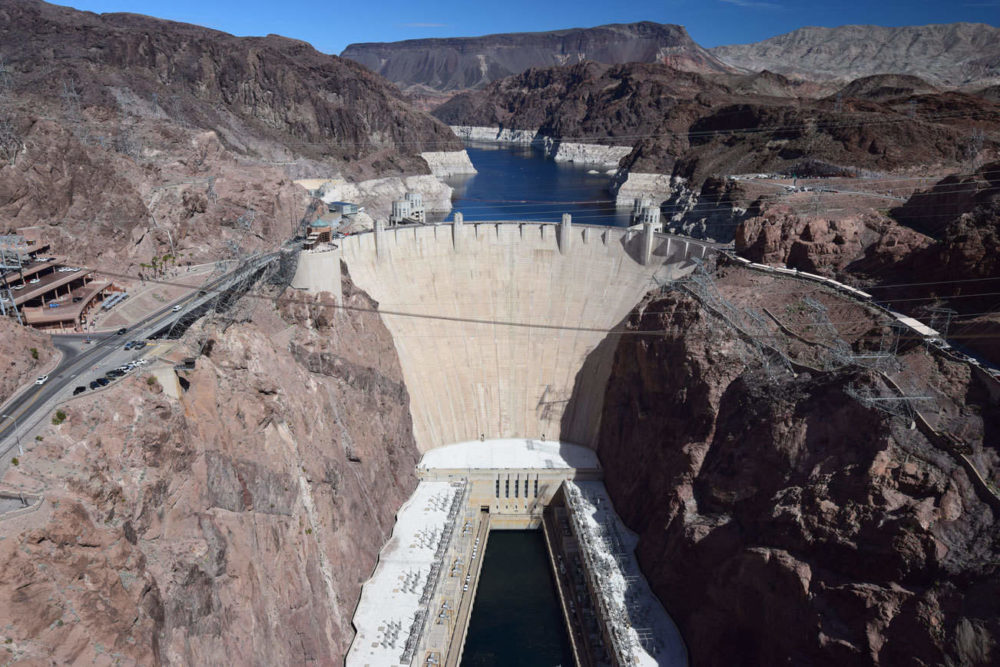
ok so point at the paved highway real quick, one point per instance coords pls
(80, 359)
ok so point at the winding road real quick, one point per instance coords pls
(82, 362)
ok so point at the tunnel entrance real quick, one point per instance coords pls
(516, 618)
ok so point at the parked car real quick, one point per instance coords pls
(77, 299)
(54, 305)
(79, 390)
(42, 379)
(95, 384)
(104, 382)
(17, 286)
(34, 281)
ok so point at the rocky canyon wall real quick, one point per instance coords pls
(785, 523)
(25, 352)
(234, 525)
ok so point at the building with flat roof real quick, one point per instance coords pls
(40, 290)
(343, 208)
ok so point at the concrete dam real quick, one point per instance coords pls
(499, 326)
(506, 333)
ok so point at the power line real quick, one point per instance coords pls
(430, 316)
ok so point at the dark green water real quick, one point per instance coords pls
(516, 618)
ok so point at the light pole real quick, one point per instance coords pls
(17, 436)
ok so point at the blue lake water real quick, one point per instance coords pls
(520, 183)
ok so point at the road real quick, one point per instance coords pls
(464, 611)
(83, 362)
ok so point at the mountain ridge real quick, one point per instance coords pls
(462, 63)
(950, 54)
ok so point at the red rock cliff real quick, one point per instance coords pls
(785, 523)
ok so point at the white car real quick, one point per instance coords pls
(35, 281)
(42, 380)
(176, 309)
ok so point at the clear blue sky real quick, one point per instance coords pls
(330, 25)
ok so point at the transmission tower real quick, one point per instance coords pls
(901, 405)
(763, 351)
(840, 352)
(941, 319)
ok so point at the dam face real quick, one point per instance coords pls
(501, 328)
(506, 333)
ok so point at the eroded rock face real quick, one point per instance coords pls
(234, 525)
(157, 138)
(824, 245)
(700, 126)
(786, 523)
(949, 54)
(23, 353)
(268, 97)
(472, 62)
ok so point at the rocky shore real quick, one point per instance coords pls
(448, 163)
(601, 155)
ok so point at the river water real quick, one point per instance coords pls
(516, 618)
(520, 183)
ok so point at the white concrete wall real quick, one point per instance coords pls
(459, 318)
(319, 271)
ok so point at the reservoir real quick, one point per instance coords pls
(516, 618)
(519, 183)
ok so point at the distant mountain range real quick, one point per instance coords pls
(953, 54)
(465, 63)
(949, 55)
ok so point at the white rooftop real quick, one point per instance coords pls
(510, 453)
(390, 599)
(650, 631)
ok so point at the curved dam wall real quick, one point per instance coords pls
(502, 328)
